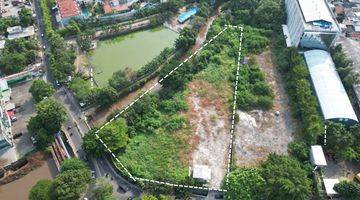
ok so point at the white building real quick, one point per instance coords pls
(202, 173)
(317, 156)
(16, 32)
(310, 24)
(6, 139)
(329, 184)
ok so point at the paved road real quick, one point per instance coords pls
(76, 123)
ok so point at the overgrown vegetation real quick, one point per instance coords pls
(68, 185)
(280, 177)
(17, 55)
(303, 102)
(344, 143)
(41, 90)
(344, 67)
(348, 190)
(6, 22)
(47, 122)
(26, 17)
(254, 92)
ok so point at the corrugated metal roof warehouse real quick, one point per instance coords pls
(333, 99)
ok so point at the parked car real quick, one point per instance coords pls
(17, 135)
(33, 140)
(13, 119)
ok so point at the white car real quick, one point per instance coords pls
(33, 140)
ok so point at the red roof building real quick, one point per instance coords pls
(68, 8)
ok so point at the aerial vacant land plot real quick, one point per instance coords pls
(192, 127)
(259, 132)
(188, 121)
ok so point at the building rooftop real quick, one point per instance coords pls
(317, 15)
(329, 184)
(333, 99)
(2, 44)
(68, 8)
(317, 156)
(202, 172)
(3, 85)
(23, 32)
(14, 29)
(315, 10)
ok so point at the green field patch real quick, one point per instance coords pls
(156, 156)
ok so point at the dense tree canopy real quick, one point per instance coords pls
(344, 141)
(246, 183)
(26, 18)
(6, 22)
(285, 178)
(17, 54)
(348, 190)
(114, 135)
(41, 190)
(51, 114)
(40, 90)
(186, 39)
(103, 190)
(73, 164)
(70, 184)
(344, 67)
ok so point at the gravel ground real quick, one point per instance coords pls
(209, 119)
(259, 133)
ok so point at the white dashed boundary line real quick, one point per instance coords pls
(150, 89)
(234, 107)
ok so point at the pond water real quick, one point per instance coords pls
(132, 50)
(20, 188)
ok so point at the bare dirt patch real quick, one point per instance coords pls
(259, 133)
(209, 119)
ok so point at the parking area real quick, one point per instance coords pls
(25, 109)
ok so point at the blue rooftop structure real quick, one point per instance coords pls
(188, 14)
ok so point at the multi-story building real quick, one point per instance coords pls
(310, 24)
(6, 139)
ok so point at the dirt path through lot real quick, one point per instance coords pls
(259, 133)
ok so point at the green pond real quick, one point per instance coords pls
(132, 50)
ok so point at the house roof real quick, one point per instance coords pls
(24, 32)
(333, 99)
(315, 10)
(68, 8)
(317, 156)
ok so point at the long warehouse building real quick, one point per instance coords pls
(334, 101)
